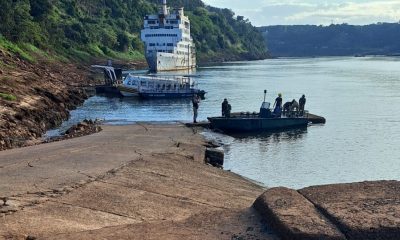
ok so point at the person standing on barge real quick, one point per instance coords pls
(302, 103)
(224, 106)
(278, 105)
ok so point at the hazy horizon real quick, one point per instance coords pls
(313, 12)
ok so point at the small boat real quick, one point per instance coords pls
(150, 86)
(265, 120)
(159, 87)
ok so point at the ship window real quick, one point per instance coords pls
(170, 51)
(151, 22)
(170, 44)
(152, 44)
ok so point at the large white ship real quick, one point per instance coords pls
(168, 43)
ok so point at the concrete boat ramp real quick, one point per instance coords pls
(127, 182)
(149, 181)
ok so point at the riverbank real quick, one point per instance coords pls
(36, 97)
(138, 181)
(42, 95)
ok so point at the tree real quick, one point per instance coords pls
(40, 8)
(123, 42)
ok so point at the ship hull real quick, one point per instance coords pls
(255, 124)
(128, 91)
(159, 62)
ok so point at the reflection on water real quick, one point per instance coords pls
(358, 97)
(275, 136)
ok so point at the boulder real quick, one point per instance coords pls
(215, 157)
(294, 217)
(363, 211)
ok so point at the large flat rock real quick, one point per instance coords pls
(367, 210)
(294, 217)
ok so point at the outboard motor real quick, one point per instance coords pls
(265, 112)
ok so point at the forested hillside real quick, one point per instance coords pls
(333, 40)
(81, 29)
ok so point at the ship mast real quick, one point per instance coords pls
(164, 7)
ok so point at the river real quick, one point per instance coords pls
(359, 97)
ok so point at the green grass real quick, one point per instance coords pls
(8, 97)
(131, 55)
(15, 48)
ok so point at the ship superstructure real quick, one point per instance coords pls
(168, 43)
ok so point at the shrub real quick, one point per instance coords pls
(8, 97)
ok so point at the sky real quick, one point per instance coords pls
(319, 12)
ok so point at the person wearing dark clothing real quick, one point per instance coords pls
(286, 107)
(228, 111)
(224, 106)
(195, 101)
(278, 105)
(302, 103)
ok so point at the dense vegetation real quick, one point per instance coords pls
(333, 40)
(81, 29)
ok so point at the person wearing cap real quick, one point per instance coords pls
(278, 105)
(302, 103)
(224, 107)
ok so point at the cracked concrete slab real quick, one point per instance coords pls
(129, 182)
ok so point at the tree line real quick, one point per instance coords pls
(110, 27)
(333, 40)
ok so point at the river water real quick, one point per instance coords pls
(359, 97)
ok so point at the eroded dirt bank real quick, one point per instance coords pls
(44, 93)
(38, 96)
(126, 182)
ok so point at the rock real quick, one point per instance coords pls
(215, 157)
(294, 217)
(8, 209)
(363, 211)
(4, 199)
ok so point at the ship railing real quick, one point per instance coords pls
(295, 113)
(160, 90)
